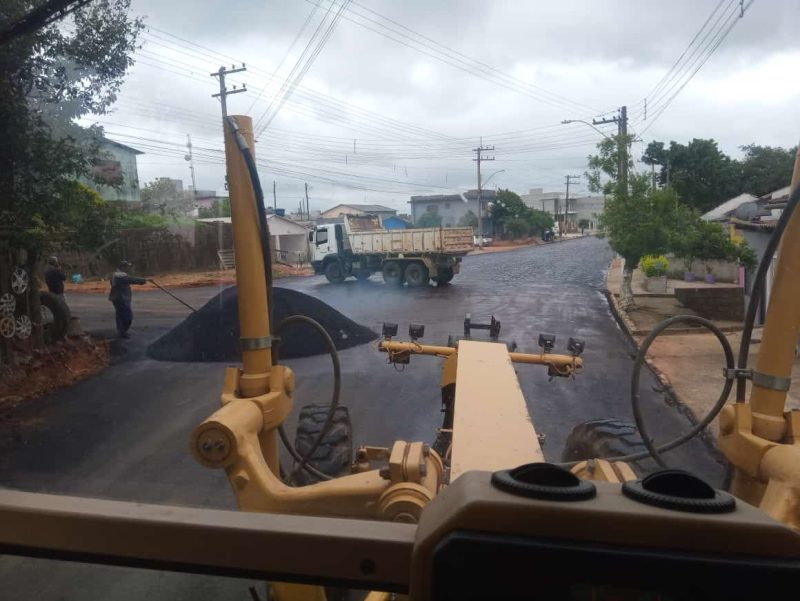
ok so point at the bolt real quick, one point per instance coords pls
(219, 445)
(385, 473)
(206, 446)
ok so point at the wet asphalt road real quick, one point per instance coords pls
(124, 433)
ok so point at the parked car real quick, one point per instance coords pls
(476, 240)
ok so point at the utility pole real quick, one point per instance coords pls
(622, 145)
(480, 149)
(274, 197)
(308, 209)
(190, 158)
(568, 179)
(225, 92)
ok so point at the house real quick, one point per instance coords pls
(726, 209)
(358, 209)
(117, 171)
(396, 223)
(288, 239)
(585, 207)
(572, 212)
(453, 208)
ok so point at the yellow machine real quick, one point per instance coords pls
(478, 514)
(486, 427)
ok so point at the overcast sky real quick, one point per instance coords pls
(413, 119)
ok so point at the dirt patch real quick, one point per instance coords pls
(189, 280)
(212, 333)
(57, 366)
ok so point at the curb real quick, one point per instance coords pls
(672, 398)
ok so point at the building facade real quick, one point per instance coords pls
(117, 172)
(567, 214)
(358, 209)
(453, 208)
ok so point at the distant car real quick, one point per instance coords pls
(486, 241)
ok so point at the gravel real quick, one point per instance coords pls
(212, 333)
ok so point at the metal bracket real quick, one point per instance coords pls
(771, 382)
(256, 344)
(759, 379)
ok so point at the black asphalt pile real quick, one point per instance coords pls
(212, 333)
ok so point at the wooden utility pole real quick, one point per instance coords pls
(622, 145)
(274, 197)
(308, 209)
(480, 149)
(225, 92)
(190, 158)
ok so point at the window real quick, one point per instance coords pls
(322, 237)
(432, 208)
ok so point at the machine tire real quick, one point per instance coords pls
(334, 273)
(393, 273)
(445, 275)
(362, 275)
(57, 329)
(416, 274)
(334, 455)
(604, 438)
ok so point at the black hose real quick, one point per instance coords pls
(757, 291)
(636, 404)
(303, 460)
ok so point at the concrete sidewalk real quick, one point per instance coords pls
(690, 361)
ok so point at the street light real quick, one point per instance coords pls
(480, 206)
(566, 121)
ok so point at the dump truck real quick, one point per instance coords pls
(359, 247)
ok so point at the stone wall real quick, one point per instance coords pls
(155, 250)
(713, 303)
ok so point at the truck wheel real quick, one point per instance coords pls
(393, 273)
(334, 455)
(445, 275)
(55, 318)
(362, 275)
(333, 271)
(604, 438)
(416, 274)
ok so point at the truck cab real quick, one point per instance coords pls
(326, 240)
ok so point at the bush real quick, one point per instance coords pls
(654, 265)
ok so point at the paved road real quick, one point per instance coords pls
(123, 433)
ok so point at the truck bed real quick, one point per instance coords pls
(450, 240)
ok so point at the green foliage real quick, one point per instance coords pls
(765, 169)
(654, 265)
(469, 219)
(130, 221)
(604, 166)
(706, 241)
(511, 214)
(49, 79)
(583, 224)
(430, 220)
(161, 196)
(220, 208)
(745, 255)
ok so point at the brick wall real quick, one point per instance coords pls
(713, 303)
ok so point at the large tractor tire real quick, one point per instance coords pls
(393, 273)
(416, 274)
(444, 275)
(604, 439)
(55, 318)
(334, 455)
(334, 273)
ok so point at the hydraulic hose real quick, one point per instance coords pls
(303, 460)
(758, 291)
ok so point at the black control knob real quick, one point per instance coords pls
(544, 481)
(677, 489)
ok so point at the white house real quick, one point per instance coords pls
(288, 239)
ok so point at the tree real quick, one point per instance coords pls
(219, 208)
(430, 220)
(469, 219)
(162, 196)
(48, 80)
(518, 227)
(539, 221)
(508, 208)
(638, 221)
(765, 169)
(583, 224)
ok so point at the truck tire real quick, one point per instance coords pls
(445, 275)
(55, 318)
(604, 438)
(334, 455)
(334, 273)
(393, 273)
(416, 274)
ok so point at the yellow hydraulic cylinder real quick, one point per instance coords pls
(250, 268)
(780, 332)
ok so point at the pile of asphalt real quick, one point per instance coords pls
(212, 332)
